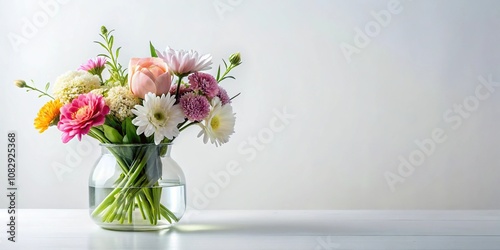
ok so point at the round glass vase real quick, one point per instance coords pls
(136, 187)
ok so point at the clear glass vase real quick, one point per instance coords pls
(136, 187)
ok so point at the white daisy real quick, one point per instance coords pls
(219, 124)
(158, 116)
(181, 62)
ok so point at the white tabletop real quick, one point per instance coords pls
(72, 229)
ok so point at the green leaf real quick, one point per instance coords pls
(113, 122)
(152, 49)
(131, 131)
(124, 128)
(126, 140)
(235, 96)
(104, 55)
(47, 86)
(225, 64)
(218, 73)
(111, 41)
(112, 134)
(117, 52)
(102, 44)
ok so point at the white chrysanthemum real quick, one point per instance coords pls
(121, 102)
(219, 124)
(181, 62)
(158, 116)
(73, 83)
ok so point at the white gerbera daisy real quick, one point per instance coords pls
(219, 124)
(158, 116)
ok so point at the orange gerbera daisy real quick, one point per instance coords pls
(48, 115)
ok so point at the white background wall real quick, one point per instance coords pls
(354, 116)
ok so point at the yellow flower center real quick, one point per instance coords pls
(81, 113)
(215, 122)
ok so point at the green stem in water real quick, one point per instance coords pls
(120, 203)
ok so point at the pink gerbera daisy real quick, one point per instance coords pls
(84, 112)
(94, 66)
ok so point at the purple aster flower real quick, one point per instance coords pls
(195, 107)
(224, 98)
(204, 82)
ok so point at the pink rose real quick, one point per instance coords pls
(148, 75)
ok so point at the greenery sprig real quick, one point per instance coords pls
(115, 69)
(234, 61)
(23, 84)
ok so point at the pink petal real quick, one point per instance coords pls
(141, 84)
(163, 83)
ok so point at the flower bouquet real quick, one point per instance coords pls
(136, 113)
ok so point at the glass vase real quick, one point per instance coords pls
(136, 187)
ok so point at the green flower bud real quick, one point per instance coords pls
(104, 31)
(235, 59)
(20, 83)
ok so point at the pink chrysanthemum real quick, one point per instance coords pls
(224, 98)
(94, 66)
(195, 107)
(204, 82)
(78, 116)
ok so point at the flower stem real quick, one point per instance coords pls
(43, 93)
(135, 188)
(177, 97)
(116, 71)
(187, 126)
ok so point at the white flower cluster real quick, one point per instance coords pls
(73, 83)
(121, 102)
